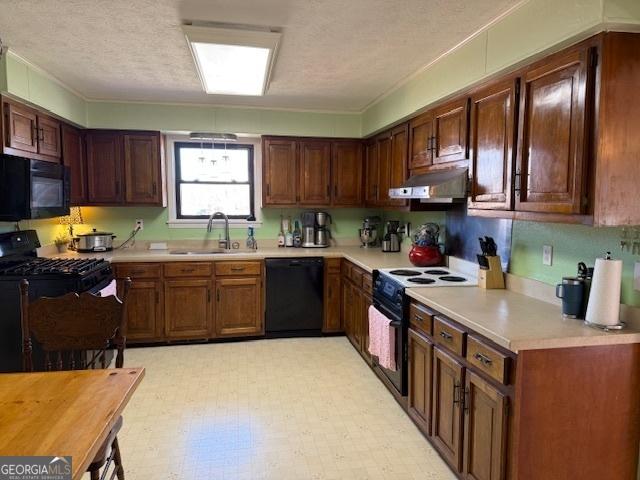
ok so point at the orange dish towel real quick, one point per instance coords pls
(382, 339)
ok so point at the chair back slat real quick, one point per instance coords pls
(83, 326)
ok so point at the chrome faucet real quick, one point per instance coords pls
(227, 239)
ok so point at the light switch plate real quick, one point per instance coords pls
(547, 255)
(636, 276)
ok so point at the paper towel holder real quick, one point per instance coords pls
(614, 327)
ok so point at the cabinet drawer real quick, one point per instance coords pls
(449, 336)
(238, 268)
(367, 283)
(188, 269)
(138, 270)
(332, 265)
(346, 269)
(487, 359)
(421, 318)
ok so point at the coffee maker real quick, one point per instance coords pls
(391, 239)
(315, 230)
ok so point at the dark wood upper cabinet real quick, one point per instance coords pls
(49, 142)
(280, 178)
(239, 307)
(346, 174)
(451, 131)
(384, 168)
(314, 173)
(371, 161)
(21, 127)
(420, 380)
(447, 407)
(485, 428)
(73, 156)
(421, 141)
(142, 169)
(551, 169)
(104, 167)
(493, 125)
(398, 165)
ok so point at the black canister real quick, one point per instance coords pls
(572, 292)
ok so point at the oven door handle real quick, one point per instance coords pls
(395, 324)
(396, 320)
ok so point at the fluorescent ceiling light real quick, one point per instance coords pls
(232, 61)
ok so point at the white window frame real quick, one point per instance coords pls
(174, 222)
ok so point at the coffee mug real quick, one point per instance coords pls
(571, 291)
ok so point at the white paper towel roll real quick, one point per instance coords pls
(604, 299)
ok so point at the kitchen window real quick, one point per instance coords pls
(214, 177)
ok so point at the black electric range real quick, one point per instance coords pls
(47, 277)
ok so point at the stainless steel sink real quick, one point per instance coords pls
(211, 251)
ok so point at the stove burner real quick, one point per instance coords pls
(405, 273)
(436, 272)
(453, 278)
(56, 266)
(422, 280)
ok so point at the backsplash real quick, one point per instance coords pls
(571, 243)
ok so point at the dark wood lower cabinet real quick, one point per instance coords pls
(239, 307)
(448, 375)
(420, 380)
(188, 308)
(484, 430)
(332, 303)
(144, 311)
(366, 300)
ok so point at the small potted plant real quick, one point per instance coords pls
(62, 242)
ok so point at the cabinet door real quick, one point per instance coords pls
(314, 173)
(188, 308)
(447, 407)
(551, 171)
(22, 128)
(365, 302)
(384, 168)
(280, 179)
(371, 173)
(346, 174)
(421, 141)
(144, 310)
(451, 131)
(348, 311)
(332, 303)
(484, 429)
(239, 307)
(492, 148)
(398, 166)
(420, 377)
(73, 156)
(49, 142)
(104, 168)
(142, 169)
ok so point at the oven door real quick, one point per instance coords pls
(49, 195)
(398, 377)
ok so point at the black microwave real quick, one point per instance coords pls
(31, 189)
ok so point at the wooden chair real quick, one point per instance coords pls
(74, 332)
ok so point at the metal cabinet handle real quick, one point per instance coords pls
(218, 295)
(237, 269)
(188, 270)
(483, 359)
(154, 188)
(137, 272)
(447, 336)
(268, 189)
(418, 318)
(456, 393)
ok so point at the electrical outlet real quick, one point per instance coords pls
(547, 255)
(139, 224)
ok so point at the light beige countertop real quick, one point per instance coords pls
(367, 258)
(516, 321)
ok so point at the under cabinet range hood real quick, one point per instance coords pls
(445, 186)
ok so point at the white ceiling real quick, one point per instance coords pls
(335, 54)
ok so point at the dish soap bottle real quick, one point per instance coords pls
(252, 244)
(281, 239)
(289, 235)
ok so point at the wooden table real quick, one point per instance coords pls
(63, 413)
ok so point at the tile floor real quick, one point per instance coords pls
(268, 409)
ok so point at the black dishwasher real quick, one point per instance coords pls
(294, 297)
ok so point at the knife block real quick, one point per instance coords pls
(491, 277)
